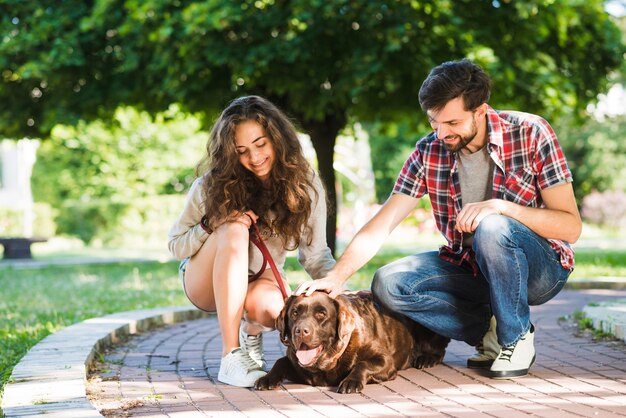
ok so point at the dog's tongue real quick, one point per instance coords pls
(307, 355)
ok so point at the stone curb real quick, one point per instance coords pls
(51, 378)
(609, 317)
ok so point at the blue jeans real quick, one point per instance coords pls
(518, 268)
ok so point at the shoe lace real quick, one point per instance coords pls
(506, 353)
(254, 345)
(246, 361)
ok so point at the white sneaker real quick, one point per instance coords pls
(516, 359)
(487, 349)
(253, 345)
(238, 369)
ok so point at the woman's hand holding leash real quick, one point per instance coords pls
(246, 218)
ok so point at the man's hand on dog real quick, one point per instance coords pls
(327, 284)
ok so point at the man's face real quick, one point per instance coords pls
(454, 125)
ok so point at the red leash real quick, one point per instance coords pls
(256, 239)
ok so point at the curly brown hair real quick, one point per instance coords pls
(229, 187)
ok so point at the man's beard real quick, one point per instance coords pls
(464, 140)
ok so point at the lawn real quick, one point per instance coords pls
(38, 301)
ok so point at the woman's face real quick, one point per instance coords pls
(255, 149)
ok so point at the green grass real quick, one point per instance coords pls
(599, 263)
(36, 302)
(585, 326)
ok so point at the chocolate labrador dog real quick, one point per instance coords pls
(348, 342)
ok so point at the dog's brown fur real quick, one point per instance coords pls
(350, 342)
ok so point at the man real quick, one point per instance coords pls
(502, 196)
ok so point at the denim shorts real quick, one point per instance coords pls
(182, 268)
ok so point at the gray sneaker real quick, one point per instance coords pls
(253, 345)
(238, 369)
(487, 349)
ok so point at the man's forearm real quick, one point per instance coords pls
(547, 223)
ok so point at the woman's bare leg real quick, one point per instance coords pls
(263, 304)
(216, 279)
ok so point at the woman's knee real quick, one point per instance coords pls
(263, 309)
(232, 234)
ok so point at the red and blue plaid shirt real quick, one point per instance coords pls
(527, 157)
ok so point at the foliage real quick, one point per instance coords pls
(121, 225)
(132, 156)
(324, 61)
(68, 60)
(89, 220)
(388, 160)
(143, 226)
(596, 153)
(94, 172)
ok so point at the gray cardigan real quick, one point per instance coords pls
(186, 236)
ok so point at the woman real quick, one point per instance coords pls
(254, 171)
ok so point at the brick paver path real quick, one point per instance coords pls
(172, 372)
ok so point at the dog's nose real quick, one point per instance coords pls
(302, 330)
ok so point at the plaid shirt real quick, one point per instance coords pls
(527, 157)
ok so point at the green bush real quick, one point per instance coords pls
(387, 160)
(98, 174)
(596, 154)
(141, 222)
(146, 222)
(89, 220)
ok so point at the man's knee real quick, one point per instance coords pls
(494, 232)
(383, 286)
(493, 226)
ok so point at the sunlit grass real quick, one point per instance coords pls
(595, 263)
(38, 301)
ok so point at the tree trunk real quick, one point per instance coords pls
(323, 136)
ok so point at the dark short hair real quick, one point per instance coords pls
(454, 79)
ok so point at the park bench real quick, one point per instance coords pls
(17, 247)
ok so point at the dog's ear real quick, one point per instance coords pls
(345, 319)
(282, 322)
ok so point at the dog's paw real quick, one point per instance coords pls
(349, 385)
(266, 383)
(427, 360)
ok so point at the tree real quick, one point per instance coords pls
(323, 61)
